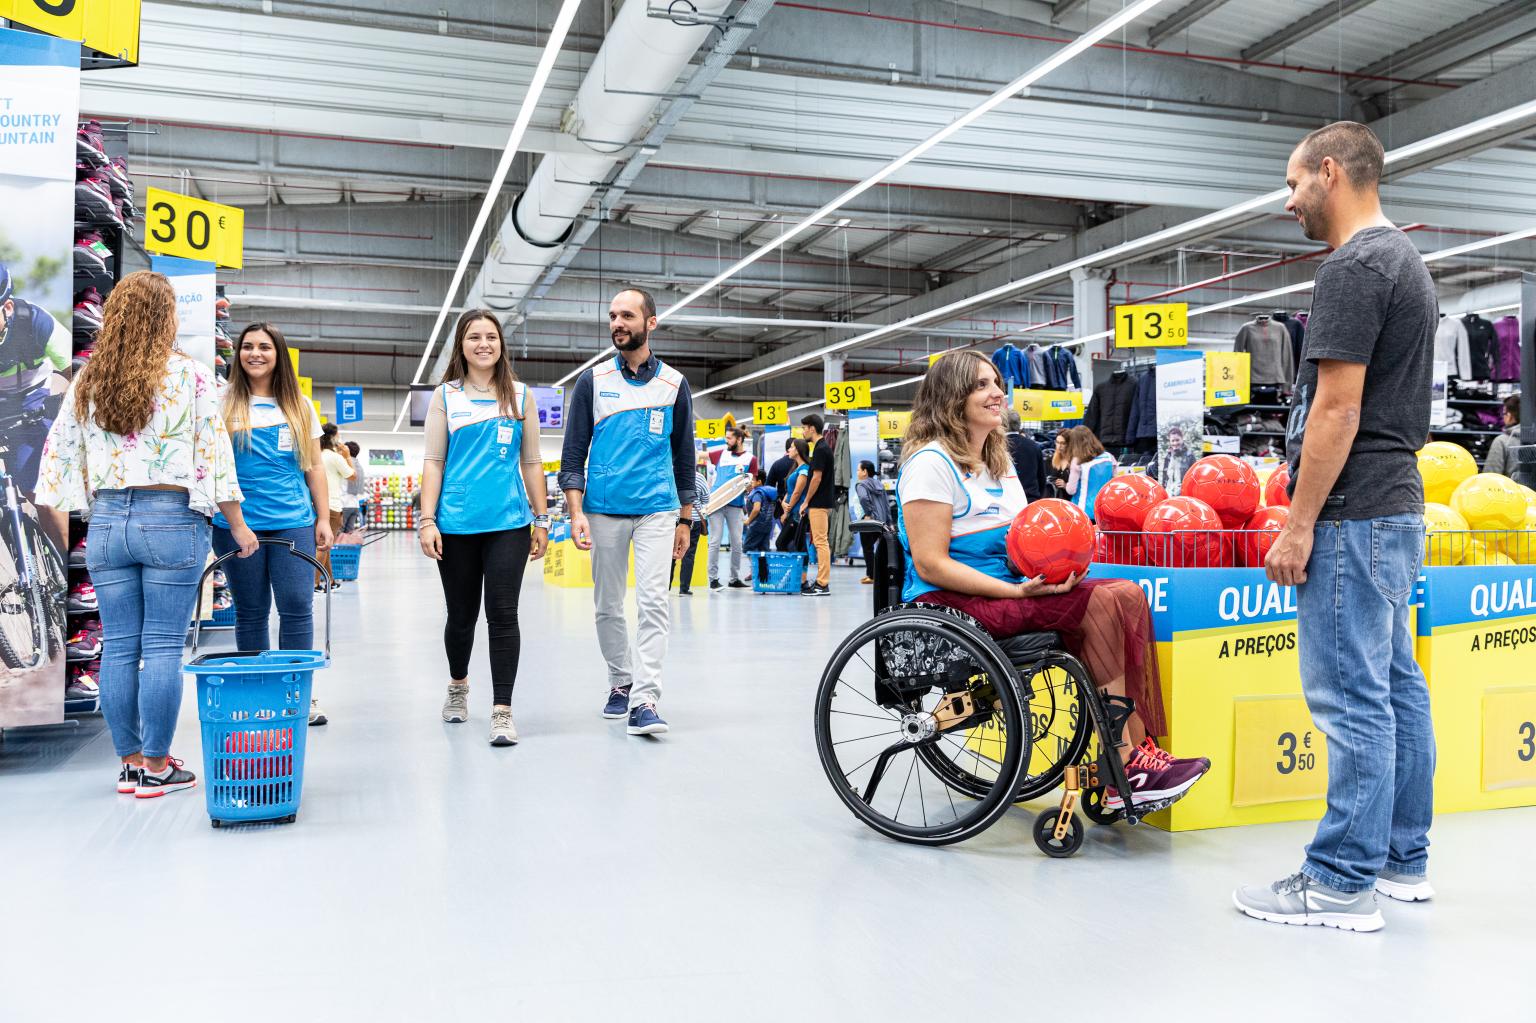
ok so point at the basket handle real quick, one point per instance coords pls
(197, 620)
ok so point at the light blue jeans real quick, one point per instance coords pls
(1368, 696)
(145, 552)
(272, 572)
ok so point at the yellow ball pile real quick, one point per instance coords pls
(1445, 535)
(1444, 466)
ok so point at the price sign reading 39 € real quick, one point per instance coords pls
(1279, 756)
(770, 413)
(1152, 326)
(848, 394)
(179, 225)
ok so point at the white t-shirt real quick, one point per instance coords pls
(337, 472)
(983, 507)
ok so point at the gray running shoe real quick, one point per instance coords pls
(503, 731)
(1302, 901)
(456, 707)
(1404, 887)
(316, 715)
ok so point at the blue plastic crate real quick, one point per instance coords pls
(254, 713)
(223, 616)
(346, 559)
(777, 571)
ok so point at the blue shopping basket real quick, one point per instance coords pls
(346, 558)
(777, 571)
(254, 713)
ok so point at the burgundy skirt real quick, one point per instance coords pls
(1105, 623)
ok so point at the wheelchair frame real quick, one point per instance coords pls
(1084, 774)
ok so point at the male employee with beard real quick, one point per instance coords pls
(627, 472)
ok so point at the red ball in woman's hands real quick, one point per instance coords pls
(1052, 538)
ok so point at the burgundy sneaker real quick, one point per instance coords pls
(1152, 749)
(1155, 780)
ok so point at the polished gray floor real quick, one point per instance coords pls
(711, 875)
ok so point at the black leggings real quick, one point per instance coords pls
(494, 561)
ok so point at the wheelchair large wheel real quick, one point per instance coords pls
(909, 690)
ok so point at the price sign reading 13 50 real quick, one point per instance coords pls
(179, 225)
(1152, 326)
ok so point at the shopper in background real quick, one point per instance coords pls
(819, 501)
(351, 512)
(1501, 453)
(792, 518)
(1028, 462)
(1354, 541)
(275, 433)
(1089, 469)
(760, 516)
(779, 472)
(876, 506)
(958, 496)
(627, 472)
(1061, 465)
(683, 567)
(337, 471)
(734, 461)
(483, 509)
(139, 443)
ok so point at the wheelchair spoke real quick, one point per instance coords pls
(872, 717)
(861, 738)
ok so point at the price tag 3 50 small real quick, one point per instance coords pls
(1279, 756)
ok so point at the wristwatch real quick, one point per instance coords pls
(541, 521)
(684, 522)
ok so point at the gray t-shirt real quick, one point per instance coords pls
(1373, 303)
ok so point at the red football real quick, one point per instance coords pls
(1274, 491)
(1260, 534)
(1123, 502)
(1226, 483)
(1052, 538)
(1183, 532)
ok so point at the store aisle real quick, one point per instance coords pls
(709, 875)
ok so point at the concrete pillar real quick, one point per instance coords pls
(1090, 315)
(832, 369)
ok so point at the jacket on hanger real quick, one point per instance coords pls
(1012, 366)
(1481, 343)
(1109, 409)
(1298, 334)
(1035, 359)
(1268, 344)
(1061, 365)
(1506, 362)
(1143, 422)
(1451, 347)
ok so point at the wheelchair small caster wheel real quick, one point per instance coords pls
(1094, 809)
(1045, 835)
(216, 822)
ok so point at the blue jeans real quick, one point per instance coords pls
(1368, 696)
(145, 552)
(271, 572)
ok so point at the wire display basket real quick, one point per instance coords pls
(1247, 548)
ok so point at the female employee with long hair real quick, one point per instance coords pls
(482, 488)
(958, 493)
(276, 437)
(139, 443)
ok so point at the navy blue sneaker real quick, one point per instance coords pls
(618, 703)
(644, 720)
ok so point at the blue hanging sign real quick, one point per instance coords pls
(349, 404)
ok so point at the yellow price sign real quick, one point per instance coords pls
(1509, 739)
(179, 225)
(936, 356)
(1226, 378)
(709, 429)
(894, 424)
(1279, 756)
(293, 356)
(770, 413)
(1048, 406)
(307, 385)
(107, 26)
(1152, 326)
(848, 394)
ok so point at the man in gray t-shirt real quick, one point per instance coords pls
(1354, 540)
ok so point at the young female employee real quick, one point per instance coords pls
(958, 493)
(482, 487)
(276, 438)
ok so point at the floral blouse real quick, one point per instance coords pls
(184, 445)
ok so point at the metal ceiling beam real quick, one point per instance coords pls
(1061, 8)
(1181, 19)
(1453, 45)
(815, 236)
(883, 242)
(1330, 13)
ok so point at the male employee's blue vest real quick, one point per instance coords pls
(728, 468)
(483, 488)
(275, 494)
(629, 468)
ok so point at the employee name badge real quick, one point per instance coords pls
(658, 420)
(284, 438)
(504, 433)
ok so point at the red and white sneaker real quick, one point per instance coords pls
(82, 597)
(1156, 779)
(128, 779)
(172, 779)
(82, 682)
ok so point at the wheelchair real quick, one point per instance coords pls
(929, 729)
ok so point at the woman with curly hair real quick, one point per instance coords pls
(957, 495)
(139, 446)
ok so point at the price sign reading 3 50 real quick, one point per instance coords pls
(179, 225)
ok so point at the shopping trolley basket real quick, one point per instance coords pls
(346, 558)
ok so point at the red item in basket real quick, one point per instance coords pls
(1123, 502)
(1053, 538)
(265, 741)
(1183, 532)
(1226, 483)
(1260, 534)
(1120, 549)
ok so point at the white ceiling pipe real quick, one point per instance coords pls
(637, 66)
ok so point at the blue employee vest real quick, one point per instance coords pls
(729, 467)
(1091, 478)
(483, 488)
(275, 494)
(629, 467)
(978, 531)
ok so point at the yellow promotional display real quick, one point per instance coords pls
(1047, 406)
(848, 394)
(179, 225)
(1490, 501)
(570, 567)
(770, 413)
(106, 26)
(894, 424)
(1445, 535)
(1226, 378)
(1152, 326)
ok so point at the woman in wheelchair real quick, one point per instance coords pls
(957, 494)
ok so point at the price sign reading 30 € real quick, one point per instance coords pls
(179, 225)
(1279, 754)
(848, 394)
(770, 413)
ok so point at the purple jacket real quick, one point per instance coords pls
(1506, 356)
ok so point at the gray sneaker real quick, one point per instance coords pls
(1302, 901)
(1404, 887)
(503, 732)
(456, 707)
